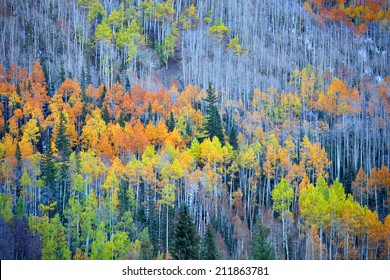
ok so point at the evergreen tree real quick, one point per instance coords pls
(122, 120)
(233, 137)
(20, 210)
(49, 172)
(54, 243)
(146, 245)
(62, 75)
(261, 249)
(189, 130)
(83, 82)
(186, 242)
(63, 140)
(213, 123)
(106, 115)
(210, 250)
(171, 123)
(64, 150)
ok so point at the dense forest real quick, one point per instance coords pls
(195, 129)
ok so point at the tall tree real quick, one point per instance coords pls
(210, 250)
(282, 196)
(261, 248)
(49, 173)
(64, 150)
(213, 123)
(186, 242)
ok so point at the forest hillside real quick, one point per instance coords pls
(194, 129)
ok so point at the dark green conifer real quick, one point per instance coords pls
(213, 123)
(233, 137)
(210, 250)
(121, 120)
(186, 242)
(49, 175)
(171, 123)
(106, 115)
(261, 249)
(63, 139)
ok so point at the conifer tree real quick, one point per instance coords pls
(171, 123)
(213, 123)
(54, 244)
(49, 172)
(261, 249)
(186, 242)
(233, 137)
(64, 150)
(210, 250)
(106, 115)
(63, 141)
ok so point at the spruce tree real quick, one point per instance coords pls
(171, 123)
(49, 172)
(210, 250)
(186, 242)
(64, 151)
(261, 249)
(213, 123)
(63, 140)
(233, 137)
(121, 120)
(106, 115)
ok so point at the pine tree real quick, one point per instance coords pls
(213, 123)
(49, 172)
(106, 115)
(210, 250)
(233, 137)
(171, 123)
(64, 150)
(186, 242)
(261, 249)
(63, 141)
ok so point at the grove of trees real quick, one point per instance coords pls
(194, 130)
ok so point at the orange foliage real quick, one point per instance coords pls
(357, 14)
(114, 99)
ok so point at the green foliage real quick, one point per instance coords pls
(118, 245)
(168, 196)
(208, 18)
(54, 243)
(20, 210)
(236, 47)
(63, 139)
(261, 248)
(171, 123)
(146, 249)
(100, 250)
(5, 207)
(210, 250)
(167, 48)
(117, 16)
(219, 29)
(95, 8)
(186, 242)
(148, 7)
(233, 141)
(165, 10)
(103, 32)
(213, 123)
(282, 195)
